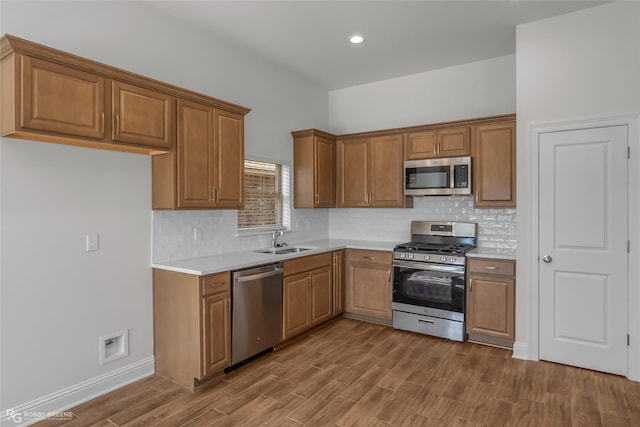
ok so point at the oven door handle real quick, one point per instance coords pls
(430, 267)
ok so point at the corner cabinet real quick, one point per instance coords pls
(307, 293)
(368, 287)
(314, 169)
(494, 155)
(191, 325)
(370, 172)
(490, 311)
(206, 171)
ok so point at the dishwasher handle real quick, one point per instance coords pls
(275, 272)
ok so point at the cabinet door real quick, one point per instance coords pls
(216, 333)
(338, 282)
(195, 155)
(353, 173)
(386, 173)
(321, 295)
(495, 165)
(228, 169)
(454, 142)
(295, 304)
(325, 173)
(491, 306)
(421, 145)
(369, 290)
(60, 99)
(142, 116)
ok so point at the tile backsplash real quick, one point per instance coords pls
(173, 231)
(496, 227)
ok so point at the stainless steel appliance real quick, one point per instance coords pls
(436, 177)
(429, 278)
(257, 311)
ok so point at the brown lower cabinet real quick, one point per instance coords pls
(307, 293)
(490, 311)
(368, 285)
(338, 282)
(191, 325)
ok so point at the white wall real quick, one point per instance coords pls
(57, 299)
(478, 89)
(581, 65)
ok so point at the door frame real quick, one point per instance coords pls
(633, 211)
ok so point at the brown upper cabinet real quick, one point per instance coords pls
(450, 142)
(314, 169)
(370, 172)
(142, 116)
(206, 171)
(53, 96)
(494, 155)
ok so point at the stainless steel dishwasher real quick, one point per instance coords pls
(257, 311)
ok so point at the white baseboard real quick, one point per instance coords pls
(521, 350)
(55, 404)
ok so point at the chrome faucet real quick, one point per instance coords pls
(274, 239)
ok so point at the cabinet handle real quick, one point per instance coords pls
(317, 198)
(389, 275)
(102, 123)
(117, 124)
(489, 267)
(369, 257)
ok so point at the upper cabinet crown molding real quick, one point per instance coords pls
(54, 96)
(10, 44)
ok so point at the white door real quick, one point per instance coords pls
(583, 248)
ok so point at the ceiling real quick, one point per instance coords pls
(310, 38)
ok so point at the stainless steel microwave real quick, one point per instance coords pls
(437, 177)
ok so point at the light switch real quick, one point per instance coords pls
(92, 242)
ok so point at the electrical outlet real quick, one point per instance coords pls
(92, 242)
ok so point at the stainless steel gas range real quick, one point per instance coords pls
(429, 278)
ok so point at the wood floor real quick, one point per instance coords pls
(351, 373)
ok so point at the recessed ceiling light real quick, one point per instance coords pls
(356, 39)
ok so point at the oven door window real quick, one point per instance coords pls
(428, 177)
(429, 288)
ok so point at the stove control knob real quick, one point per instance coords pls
(443, 259)
(427, 257)
(401, 255)
(452, 259)
(410, 256)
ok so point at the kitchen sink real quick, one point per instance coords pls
(285, 250)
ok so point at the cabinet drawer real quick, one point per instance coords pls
(307, 263)
(492, 266)
(378, 257)
(214, 284)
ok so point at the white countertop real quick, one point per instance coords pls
(509, 254)
(238, 260)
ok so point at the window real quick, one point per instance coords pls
(266, 197)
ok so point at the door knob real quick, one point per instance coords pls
(547, 259)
